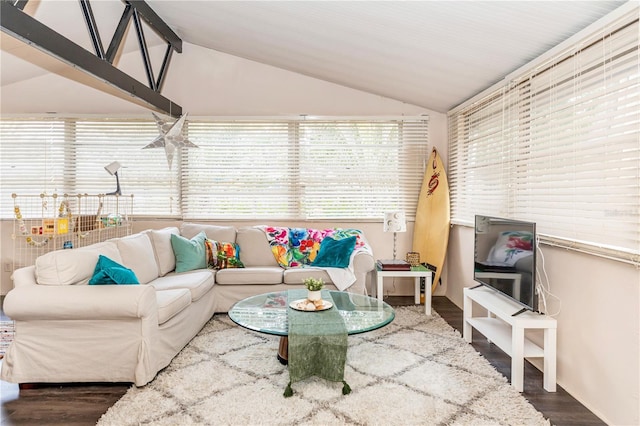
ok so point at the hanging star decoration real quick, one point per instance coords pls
(171, 137)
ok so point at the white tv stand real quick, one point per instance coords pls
(507, 332)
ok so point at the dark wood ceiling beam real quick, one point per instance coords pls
(163, 68)
(157, 24)
(143, 49)
(92, 27)
(20, 4)
(119, 33)
(20, 25)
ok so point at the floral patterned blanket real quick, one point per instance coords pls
(298, 247)
(295, 247)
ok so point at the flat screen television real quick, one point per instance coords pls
(505, 258)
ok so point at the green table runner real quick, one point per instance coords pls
(317, 343)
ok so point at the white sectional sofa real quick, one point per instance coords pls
(68, 331)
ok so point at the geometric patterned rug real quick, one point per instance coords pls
(6, 336)
(415, 371)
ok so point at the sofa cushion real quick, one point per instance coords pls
(197, 282)
(161, 241)
(254, 247)
(335, 253)
(295, 276)
(213, 232)
(190, 253)
(136, 252)
(75, 266)
(171, 303)
(109, 272)
(255, 275)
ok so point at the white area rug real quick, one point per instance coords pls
(415, 371)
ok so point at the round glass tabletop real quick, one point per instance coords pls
(268, 313)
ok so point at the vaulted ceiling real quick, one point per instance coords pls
(434, 54)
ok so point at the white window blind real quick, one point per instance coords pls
(240, 170)
(32, 158)
(303, 169)
(360, 168)
(559, 145)
(145, 173)
(244, 169)
(58, 156)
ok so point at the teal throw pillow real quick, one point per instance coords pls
(335, 253)
(190, 254)
(108, 271)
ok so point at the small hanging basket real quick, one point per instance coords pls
(413, 257)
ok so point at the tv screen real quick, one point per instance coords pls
(505, 258)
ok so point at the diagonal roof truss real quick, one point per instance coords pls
(20, 25)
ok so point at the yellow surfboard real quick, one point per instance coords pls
(433, 216)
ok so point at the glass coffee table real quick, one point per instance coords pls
(268, 313)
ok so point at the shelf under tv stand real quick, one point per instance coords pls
(508, 333)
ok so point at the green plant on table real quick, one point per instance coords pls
(313, 284)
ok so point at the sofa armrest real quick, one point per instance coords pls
(363, 262)
(70, 302)
(24, 276)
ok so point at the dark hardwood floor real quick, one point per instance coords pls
(83, 404)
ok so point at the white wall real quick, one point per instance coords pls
(598, 324)
(210, 83)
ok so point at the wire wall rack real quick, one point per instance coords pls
(47, 222)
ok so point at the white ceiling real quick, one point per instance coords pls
(434, 54)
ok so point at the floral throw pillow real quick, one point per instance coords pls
(222, 255)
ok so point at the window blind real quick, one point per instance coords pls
(559, 145)
(58, 156)
(303, 169)
(360, 168)
(145, 173)
(32, 158)
(242, 169)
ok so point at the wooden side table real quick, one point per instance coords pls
(416, 273)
